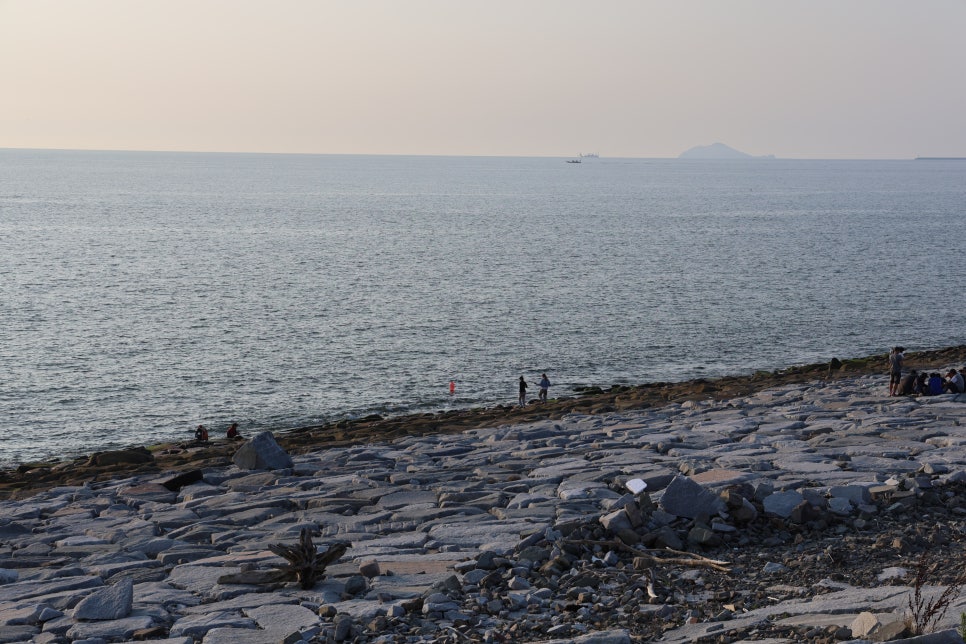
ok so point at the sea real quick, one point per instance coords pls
(144, 293)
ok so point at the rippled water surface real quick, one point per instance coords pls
(144, 293)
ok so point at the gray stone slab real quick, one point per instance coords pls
(528, 500)
(279, 617)
(249, 636)
(111, 603)
(161, 593)
(404, 498)
(18, 633)
(110, 568)
(196, 625)
(20, 616)
(572, 489)
(473, 534)
(174, 517)
(782, 504)
(111, 629)
(28, 589)
(545, 512)
(686, 498)
(890, 465)
(799, 465)
(185, 554)
(199, 579)
(254, 516)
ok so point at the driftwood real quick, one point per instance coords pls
(654, 557)
(304, 564)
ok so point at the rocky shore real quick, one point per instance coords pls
(795, 506)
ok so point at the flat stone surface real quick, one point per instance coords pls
(197, 625)
(281, 617)
(109, 629)
(422, 506)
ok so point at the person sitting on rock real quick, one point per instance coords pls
(908, 383)
(201, 434)
(232, 431)
(935, 385)
(919, 389)
(954, 382)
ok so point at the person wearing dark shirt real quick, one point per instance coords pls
(908, 383)
(935, 384)
(895, 369)
(919, 389)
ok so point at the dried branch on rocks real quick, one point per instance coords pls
(304, 564)
(655, 557)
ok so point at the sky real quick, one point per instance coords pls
(829, 79)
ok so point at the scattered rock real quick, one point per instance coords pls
(262, 452)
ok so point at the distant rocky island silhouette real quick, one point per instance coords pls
(718, 151)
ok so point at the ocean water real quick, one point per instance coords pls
(144, 293)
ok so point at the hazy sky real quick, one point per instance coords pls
(633, 78)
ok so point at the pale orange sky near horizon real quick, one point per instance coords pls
(625, 78)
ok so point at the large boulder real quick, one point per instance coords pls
(262, 453)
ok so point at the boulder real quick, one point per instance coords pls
(782, 504)
(685, 498)
(865, 624)
(262, 453)
(113, 602)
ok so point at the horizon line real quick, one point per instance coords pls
(494, 156)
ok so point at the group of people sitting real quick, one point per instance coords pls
(932, 384)
(201, 433)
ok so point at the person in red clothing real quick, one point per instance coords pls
(232, 431)
(201, 434)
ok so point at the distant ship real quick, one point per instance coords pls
(573, 160)
(590, 155)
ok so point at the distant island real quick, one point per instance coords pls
(718, 151)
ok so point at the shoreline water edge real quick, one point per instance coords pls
(29, 478)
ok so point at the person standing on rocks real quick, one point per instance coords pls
(895, 370)
(544, 386)
(523, 392)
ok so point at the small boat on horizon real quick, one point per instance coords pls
(573, 160)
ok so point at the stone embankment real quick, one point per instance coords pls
(803, 512)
